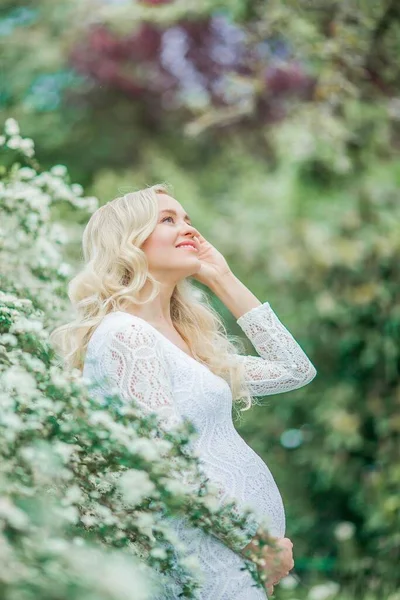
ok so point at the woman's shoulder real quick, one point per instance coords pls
(125, 327)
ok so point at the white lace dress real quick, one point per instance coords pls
(146, 365)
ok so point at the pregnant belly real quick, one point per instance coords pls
(262, 494)
(243, 475)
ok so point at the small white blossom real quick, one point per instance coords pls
(175, 486)
(158, 553)
(135, 485)
(11, 127)
(324, 591)
(288, 582)
(56, 545)
(24, 325)
(27, 147)
(14, 143)
(70, 514)
(18, 379)
(146, 448)
(211, 503)
(26, 173)
(191, 562)
(34, 363)
(77, 189)
(145, 522)
(65, 269)
(64, 450)
(59, 170)
(15, 516)
(88, 520)
(344, 531)
(8, 338)
(78, 541)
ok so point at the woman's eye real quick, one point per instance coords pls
(166, 218)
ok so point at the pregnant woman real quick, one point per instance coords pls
(146, 327)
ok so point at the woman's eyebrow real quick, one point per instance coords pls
(171, 210)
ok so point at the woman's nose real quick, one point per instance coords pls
(191, 229)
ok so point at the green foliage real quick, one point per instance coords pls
(342, 434)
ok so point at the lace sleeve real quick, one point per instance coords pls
(282, 364)
(133, 361)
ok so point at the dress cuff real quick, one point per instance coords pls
(250, 313)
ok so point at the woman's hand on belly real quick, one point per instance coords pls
(278, 562)
(277, 559)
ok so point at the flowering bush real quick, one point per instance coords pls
(84, 478)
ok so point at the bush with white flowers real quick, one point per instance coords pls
(83, 479)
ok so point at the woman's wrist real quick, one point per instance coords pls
(234, 294)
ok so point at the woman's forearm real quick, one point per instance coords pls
(234, 294)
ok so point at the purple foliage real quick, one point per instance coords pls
(189, 62)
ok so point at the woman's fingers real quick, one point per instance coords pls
(270, 590)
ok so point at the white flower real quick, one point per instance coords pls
(64, 269)
(24, 325)
(158, 553)
(16, 517)
(211, 503)
(64, 450)
(8, 338)
(88, 520)
(288, 582)
(11, 421)
(38, 200)
(135, 485)
(58, 378)
(26, 146)
(112, 576)
(56, 545)
(59, 170)
(26, 173)
(146, 449)
(2, 140)
(77, 189)
(145, 522)
(20, 380)
(15, 142)
(163, 446)
(344, 531)
(191, 562)
(174, 486)
(34, 363)
(78, 541)
(323, 591)
(11, 127)
(90, 203)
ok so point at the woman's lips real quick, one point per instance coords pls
(188, 247)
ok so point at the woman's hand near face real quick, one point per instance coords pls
(213, 264)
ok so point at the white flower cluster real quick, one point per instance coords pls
(33, 253)
(13, 140)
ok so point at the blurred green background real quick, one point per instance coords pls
(278, 125)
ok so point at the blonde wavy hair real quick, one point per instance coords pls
(116, 269)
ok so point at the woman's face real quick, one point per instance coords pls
(167, 263)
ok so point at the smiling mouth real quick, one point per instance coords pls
(187, 247)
